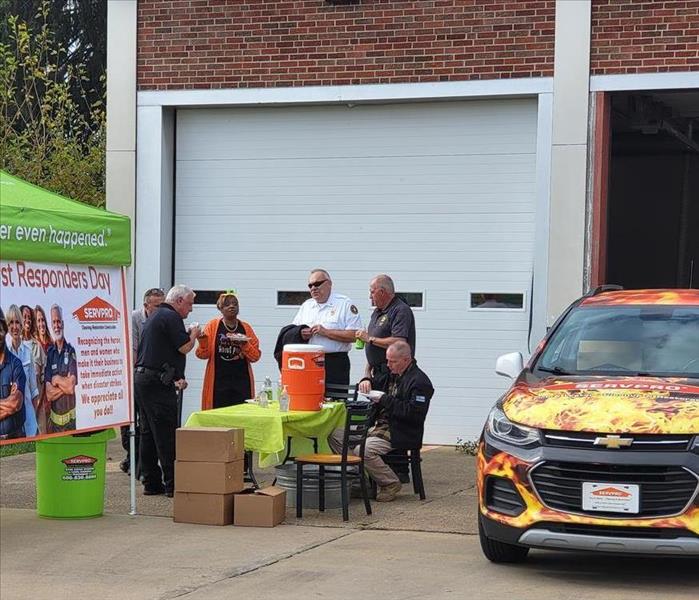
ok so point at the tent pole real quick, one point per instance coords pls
(132, 465)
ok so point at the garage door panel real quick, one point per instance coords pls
(439, 195)
(366, 131)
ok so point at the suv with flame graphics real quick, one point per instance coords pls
(596, 444)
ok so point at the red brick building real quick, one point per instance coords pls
(472, 149)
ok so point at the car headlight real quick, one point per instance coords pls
(501, 427)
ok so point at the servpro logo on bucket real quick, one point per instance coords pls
(79, 468)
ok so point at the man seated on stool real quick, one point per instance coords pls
(399, 416)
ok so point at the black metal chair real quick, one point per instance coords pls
(356, 429)
(344, 393)
(406, 458)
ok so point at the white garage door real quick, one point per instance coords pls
(438, 195)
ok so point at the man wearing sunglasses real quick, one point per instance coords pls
(332, 321)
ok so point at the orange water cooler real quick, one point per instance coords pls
(303, 374)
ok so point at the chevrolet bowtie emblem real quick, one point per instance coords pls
(613, 441)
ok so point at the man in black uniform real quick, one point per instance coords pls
(391, 321)
(399, 418)
(159, 374)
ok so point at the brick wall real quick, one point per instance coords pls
(268, 43)
(642, 36)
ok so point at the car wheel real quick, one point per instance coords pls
(499, 552)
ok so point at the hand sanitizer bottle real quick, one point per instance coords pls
(284, 400)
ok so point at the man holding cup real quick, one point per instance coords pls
(159, 375)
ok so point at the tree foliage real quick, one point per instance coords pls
(52, 115)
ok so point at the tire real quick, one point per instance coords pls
(500, 552)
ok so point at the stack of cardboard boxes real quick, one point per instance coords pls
(208, 471)
(209, 487)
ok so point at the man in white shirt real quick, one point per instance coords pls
(332, 321)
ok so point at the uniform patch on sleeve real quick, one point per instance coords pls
(420, 399)
(353, 309)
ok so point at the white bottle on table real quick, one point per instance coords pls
(284, 400)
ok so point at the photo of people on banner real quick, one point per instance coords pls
(62, 348)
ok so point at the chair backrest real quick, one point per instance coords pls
(343, 393)
(359, 419)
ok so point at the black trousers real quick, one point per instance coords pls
(337, 368)
(158, 407)
(125, 444)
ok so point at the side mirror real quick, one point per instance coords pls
(510, 365)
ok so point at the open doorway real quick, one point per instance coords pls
(653, 192)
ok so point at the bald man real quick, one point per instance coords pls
(399, 416)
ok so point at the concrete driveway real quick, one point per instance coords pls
(406, 549)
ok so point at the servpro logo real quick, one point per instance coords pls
(79, 460)
(79, 468)
(96, 310)
(611, 492)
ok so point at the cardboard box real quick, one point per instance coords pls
(203, 509)
(209, 477)
(265, 507)
(210, 444)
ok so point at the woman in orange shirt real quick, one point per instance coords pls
(230, 346)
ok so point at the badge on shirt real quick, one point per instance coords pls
(383, 319)
(353, 309)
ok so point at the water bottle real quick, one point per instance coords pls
(284, 400)
(359, 344)
(268, 389)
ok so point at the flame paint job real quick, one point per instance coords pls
(631, 297)
(620, 405)
(505, 465)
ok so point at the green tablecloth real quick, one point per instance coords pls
(266, 429)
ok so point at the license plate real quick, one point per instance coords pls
(611, 497)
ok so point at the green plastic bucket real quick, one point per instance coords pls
(70, 474)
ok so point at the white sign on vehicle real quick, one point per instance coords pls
(611, 497)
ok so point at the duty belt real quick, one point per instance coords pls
(63, 419)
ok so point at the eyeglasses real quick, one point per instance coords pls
(316, 284)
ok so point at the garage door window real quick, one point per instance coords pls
(496, 301)
(415, 300)
(292, 298)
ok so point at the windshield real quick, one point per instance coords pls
(625, 340)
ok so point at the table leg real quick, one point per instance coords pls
(250, 474)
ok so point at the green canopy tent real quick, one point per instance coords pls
(41, 226)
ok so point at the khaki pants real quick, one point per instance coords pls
(375, 448)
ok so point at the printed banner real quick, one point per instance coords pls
(65, 366)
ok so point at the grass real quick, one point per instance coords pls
(18, 448)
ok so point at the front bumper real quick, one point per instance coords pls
(550, 537)
(534, 524)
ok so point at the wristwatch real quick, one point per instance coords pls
(371, 339)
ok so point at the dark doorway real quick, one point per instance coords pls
(653, 197)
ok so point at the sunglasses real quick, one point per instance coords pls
(316, 284)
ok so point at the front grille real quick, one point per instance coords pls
(586, 440)
(656, 533)
(502, 496)
(664, 490)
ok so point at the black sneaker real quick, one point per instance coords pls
(169, 494)
(153, 491)
(125, 466)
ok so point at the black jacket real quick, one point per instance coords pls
(289, 334)
(407, 409)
